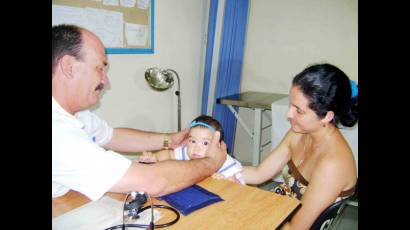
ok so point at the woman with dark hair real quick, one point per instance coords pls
(316, 161)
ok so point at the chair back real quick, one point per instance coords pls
(326, 218)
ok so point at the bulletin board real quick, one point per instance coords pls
(124, 26)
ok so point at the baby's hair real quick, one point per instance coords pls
(208, 120)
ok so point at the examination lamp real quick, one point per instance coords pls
(162, 80)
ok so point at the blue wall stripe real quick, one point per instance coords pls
(213, 10)
(230, 64)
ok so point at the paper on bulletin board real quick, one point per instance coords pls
(127, 3)
(106, 24)
(68, 15)
(142, 4)
(108, 21)
(110, 2)
(136, 34)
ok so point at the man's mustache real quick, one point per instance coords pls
(100, 87)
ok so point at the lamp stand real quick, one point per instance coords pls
(178, 93)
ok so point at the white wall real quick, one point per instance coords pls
(179, 45)
(283, 38)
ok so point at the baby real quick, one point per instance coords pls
(200, 135)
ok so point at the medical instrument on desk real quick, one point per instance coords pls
(162, 80)
(134, 207)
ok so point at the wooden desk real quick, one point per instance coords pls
(244, 207)
(259, 102)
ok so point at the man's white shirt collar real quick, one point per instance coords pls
(56, 108)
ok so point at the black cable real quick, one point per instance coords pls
(146, 225)
(151, 224)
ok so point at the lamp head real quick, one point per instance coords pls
(158, 79)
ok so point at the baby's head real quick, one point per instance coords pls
(200, 135)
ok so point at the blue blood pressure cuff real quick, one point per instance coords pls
(191, 199)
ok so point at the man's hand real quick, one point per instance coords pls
(216, 151)
(178, 139)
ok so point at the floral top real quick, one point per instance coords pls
(295, 184)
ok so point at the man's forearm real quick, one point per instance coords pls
(163, 155)
(164, 177)
(180, 174)
(132, 140)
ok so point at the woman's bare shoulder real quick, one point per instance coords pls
(293, 138)
(337, 158)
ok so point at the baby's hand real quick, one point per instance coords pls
(220, 176)
(147, 157)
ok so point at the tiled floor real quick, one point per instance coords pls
(348, 218)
